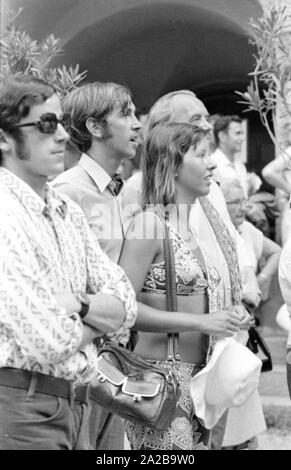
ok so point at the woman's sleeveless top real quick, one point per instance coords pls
(191, 277)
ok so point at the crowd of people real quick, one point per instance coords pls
(82, 257)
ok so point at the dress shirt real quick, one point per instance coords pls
(226, 169)
(47, 247)
(87, 184)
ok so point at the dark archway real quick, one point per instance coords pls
(163, 47)
(156, 46)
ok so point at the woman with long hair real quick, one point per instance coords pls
(176, 171)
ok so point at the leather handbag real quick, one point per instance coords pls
(132, 387)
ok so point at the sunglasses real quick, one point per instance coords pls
(48, 123)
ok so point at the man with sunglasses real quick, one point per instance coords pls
(58, 290)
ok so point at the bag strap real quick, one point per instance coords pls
(260, 341)
(170, 274)
(256, 341)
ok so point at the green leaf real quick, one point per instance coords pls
(20, 53)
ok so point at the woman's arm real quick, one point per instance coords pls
(143, 243)
(251, 290)
(222, 323)
(271, 252)
(284, 274)
(274, 174)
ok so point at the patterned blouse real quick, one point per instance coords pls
(192, 278)
(47, 248)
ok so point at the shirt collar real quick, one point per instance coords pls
(29, 198)
(97, 173)
(55, 202)
(222, 158)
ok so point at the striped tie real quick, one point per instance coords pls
(115, 184)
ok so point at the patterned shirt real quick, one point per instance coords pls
(47, 248)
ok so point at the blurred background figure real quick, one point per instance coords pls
(229, 137)
(212, 142)
(285, 285)
(278, 174)
(261, 208)
(283, 319)
(264, 254)
(246, 422)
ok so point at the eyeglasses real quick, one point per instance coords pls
(238, 202)
(48, 123)
(200, 121)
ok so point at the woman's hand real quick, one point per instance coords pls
(264, 284)
(243, 315)
(222, 323)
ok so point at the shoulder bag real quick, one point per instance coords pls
(130, 386)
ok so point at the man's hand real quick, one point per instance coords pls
(68, 301)
(251, 290)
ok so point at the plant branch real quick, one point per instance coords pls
(20, 53)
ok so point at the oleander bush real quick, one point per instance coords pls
(20, 53)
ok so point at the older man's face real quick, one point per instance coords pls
(190, 109)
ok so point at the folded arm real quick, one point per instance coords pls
(274, 174)
(29, 311)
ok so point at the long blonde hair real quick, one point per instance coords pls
(165, 147)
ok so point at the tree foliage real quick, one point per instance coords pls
(20, 53)
(271, 77)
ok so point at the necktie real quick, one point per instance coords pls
(228, 248)
(115, 184)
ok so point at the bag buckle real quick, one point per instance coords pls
(108, 372)
(139, 390)
(137, 397)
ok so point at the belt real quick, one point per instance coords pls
(41, 383)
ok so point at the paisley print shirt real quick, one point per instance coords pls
(46, 248)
